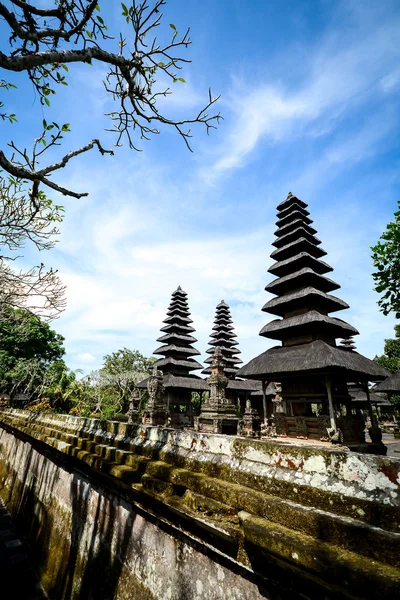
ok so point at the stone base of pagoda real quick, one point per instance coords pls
(213, 422)
(250, 425)
(351, 428)
(178, 420)
(155, 418)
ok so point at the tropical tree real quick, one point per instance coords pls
(390, 360)
(386, 259)
(28, 346)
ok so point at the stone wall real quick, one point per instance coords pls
(127, 511)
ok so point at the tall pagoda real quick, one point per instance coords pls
(312, 369)
(223, 336)
(177, 362)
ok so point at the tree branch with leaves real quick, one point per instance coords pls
(78, 34)
(44, 43)
(386, 260)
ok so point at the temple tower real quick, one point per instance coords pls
(223, 336)
(177, 362)
(312, 369)
(177, 340)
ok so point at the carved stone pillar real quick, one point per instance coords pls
(218, 413)
(156, 410)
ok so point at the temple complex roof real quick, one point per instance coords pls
(307, 332)
(390, 385)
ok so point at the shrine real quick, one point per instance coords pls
(224, 337)
(312, 369)
(178, 362)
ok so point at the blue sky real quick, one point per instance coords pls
(310, 100)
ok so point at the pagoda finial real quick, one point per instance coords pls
(289, 195)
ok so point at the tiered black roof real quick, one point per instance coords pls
(177, 348)
(303, 300)
(223, 336)
(302, 289)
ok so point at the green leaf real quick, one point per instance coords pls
(64, 67)
(181, 79)
(89, 33)
(100, 20)
(172, 26)
(65, 127)
(47, 101)
(124, 9)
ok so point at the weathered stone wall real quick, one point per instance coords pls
(118, 511)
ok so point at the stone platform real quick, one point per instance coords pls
(149, 512)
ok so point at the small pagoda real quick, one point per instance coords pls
(177, 362)
(218, 413)
(223, 336)
(312, 369)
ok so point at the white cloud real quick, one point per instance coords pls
(85, 357)
(349, 68)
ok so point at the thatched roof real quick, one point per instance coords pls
(229, 350)
(294, 224)
(189, 364)
(178, 318)
(300, 245)
(290, 201)
(223, 326)
(223, 337)
(390, 385)
(178, 310)
(303, 278)
(309, 322)
(316, 357)
(168, 337)
(222, 304)
(304, 298)
(177, 327)
(294, 212)
(270, 390)
(357, 394)
(299, 261)
(190, 382)
(197, 384)
(179, 292)
(295, 235)
(173, 349)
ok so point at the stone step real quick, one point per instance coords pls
(339, 568)
(348, 533)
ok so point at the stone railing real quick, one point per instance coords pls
(163, 511)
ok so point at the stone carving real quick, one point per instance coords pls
(324, 423)
(280, 424)
(301, 427)
(268, 429)
(217, 408)
(156, 413)
(134, 406)
(250, 424)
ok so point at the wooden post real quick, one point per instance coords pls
(264, 398)
(370, 410)
(328, 385)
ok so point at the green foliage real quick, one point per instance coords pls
(106, 393)
(390, 360)
(386, 259)
(31, 357)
